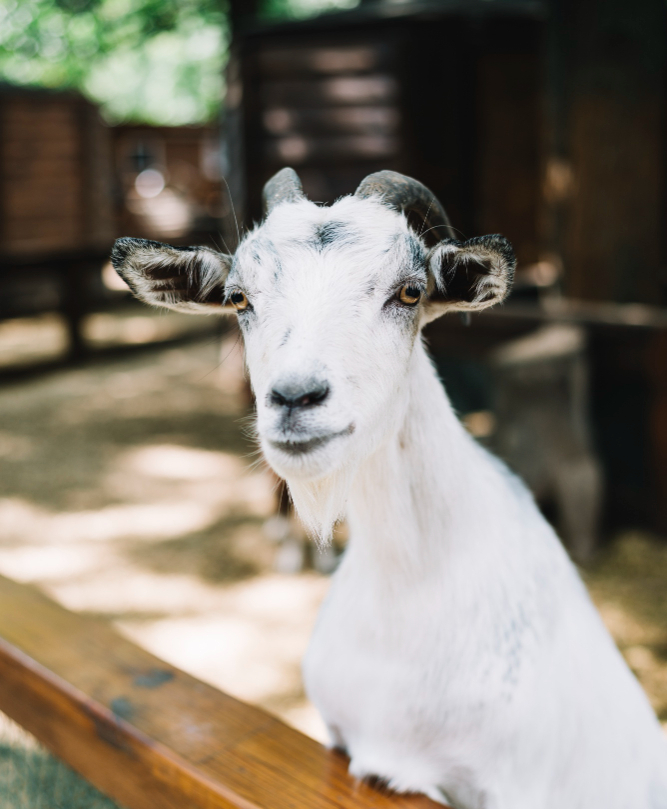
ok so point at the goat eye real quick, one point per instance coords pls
(238, 300)
(409, 295)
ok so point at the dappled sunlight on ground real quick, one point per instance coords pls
(25, 340)
(129, 326)
(247, 638)
(43, 338)
(131, 490)
(629, 586)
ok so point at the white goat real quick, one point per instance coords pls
(458, 653)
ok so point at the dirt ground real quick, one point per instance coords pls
(130, 489)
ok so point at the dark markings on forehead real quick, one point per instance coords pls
(416, 251)
(263, 252)
(286, 337)
(277, 272)
(263, 249)
(413, 250)
(395, 240)
(334, 232)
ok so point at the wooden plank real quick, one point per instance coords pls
(325, 60)
(382, 120)
(24, 147)
(297, 149)
(508, 173)
(607, 217)
(34, 170)
(39, 228)
(42, 199)
(34, 111)
(11, 262)
(150, 735)
(656, 367)
(376, 88)
(45, 244)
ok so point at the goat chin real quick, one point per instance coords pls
(322, 503)
(458, 653)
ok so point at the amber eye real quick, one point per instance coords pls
(239, 300)
(410, 295)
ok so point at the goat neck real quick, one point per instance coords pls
(416, 484)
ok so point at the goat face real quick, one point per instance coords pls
(330, 301)
(330, 309)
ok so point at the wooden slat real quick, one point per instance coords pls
(150, 735)
(377, 88)
(38, 167)
(332, 60)
(46, 141)
(299, 149)
(382, 120)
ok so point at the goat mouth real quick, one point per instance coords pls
(304, 447)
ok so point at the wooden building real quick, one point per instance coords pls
(185, 162)
(55, 172)
(68, 189)
(543, 120)
(56, 203)
(444, 92)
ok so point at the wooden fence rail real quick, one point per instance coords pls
(151, 736)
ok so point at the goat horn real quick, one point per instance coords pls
(285, 186)
(409, 196)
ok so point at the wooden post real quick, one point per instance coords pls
(606, 173)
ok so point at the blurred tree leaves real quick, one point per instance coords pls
(156, 61)
(152, 61)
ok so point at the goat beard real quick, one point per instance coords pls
(321, 504)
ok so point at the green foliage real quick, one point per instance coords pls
(157, 61)
(152, 61)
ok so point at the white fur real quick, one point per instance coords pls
(457, 653)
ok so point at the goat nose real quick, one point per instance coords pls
(304, 393)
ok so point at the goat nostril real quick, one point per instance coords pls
(277, 398)
(290, 396)
(314, 397)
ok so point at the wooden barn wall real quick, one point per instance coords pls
(609, 61)
(325, 105)
(509, 119)
(98, 180)
(188, 157)
(55, 169)
(450, 101)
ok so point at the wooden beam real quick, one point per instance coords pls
(150, 735)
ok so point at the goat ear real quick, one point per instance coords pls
(188, 279)
(470, 275)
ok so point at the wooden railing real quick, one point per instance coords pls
(151, 736)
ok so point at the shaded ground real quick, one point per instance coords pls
(629, 585)
(130, 490)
